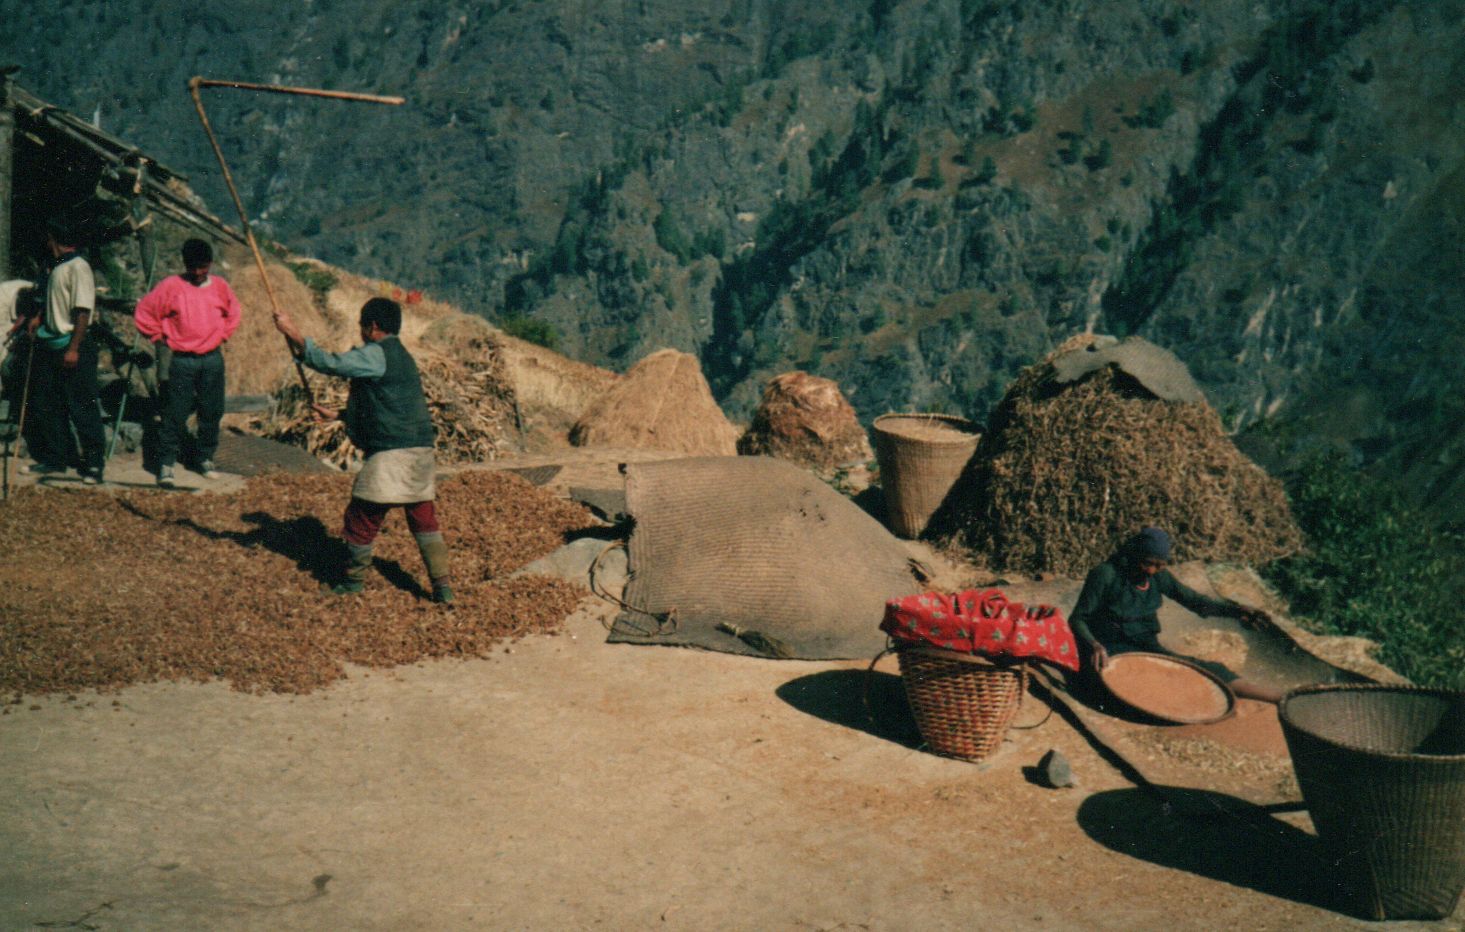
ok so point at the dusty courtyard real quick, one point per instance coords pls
(567, 783)
(570, 783)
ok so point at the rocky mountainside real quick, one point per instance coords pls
(912, 198)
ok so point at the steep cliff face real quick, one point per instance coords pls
(913, 198)
(1320, 277)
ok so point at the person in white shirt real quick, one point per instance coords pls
(63, 391)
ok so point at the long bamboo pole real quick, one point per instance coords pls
(195, 84)
(304, 91)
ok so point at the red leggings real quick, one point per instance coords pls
(364, 519)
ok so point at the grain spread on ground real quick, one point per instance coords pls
(1165, 688)
(1254, 729)
(148, 586)
(1217, 758)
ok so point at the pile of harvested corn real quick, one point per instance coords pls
(470, 400)
(104, 591)
(1066, 472)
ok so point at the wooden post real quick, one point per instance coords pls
(7, 165)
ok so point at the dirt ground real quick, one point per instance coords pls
(568, 783)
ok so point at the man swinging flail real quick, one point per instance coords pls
(386, 417)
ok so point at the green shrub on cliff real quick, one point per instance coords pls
(534, 331)
(1378, 568)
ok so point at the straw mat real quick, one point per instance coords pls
(760, 546)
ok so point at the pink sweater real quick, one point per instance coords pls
(189, 318)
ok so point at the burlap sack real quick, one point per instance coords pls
(759, 545)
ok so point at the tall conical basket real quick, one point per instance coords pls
(921, 456)
(1382, 769)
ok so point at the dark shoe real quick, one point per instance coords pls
(207, 470)
(42, 469)
(442, 594)
(91, 477)
(349, 587)
(165, 477)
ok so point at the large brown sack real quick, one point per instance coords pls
(788, 566)
(662, 403)
(807, 420)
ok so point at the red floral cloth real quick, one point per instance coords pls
(982, 622)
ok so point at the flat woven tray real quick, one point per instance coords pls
(1168, 688)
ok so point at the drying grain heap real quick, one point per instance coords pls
(1068, 469)
(159, 586)
(807, 420)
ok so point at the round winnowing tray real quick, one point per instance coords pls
(1168, 688)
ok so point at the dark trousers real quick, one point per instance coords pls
(195, 385)
(61, 400)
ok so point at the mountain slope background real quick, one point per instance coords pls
(913, 198)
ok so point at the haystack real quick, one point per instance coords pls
(1069, 469)
(806, 419)
(468, 395)
(662, 403)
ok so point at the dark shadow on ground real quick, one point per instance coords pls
(302, 539)
(1216, 836)
(607, 533)
(396, 574)
(872, 702)
(1088, 691)
(872, 502)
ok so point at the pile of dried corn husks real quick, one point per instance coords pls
(107, 590)
(469, 397)
(1067, 472)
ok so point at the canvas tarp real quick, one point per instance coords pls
(1154, 367)
(760, 545)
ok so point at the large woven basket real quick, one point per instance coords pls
(962, 704)
(921, 456)
(1382, 769)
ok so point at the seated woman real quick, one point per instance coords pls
(1117, 611)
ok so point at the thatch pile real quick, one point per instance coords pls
(1067, 471)
(662, 403)
(806, 419)
(468, 395)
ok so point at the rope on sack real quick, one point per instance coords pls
(666, 622)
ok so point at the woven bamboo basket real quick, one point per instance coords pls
(1382, 769)
(921, 456)
(962, 704)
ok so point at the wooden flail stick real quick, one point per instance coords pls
(195, 84)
